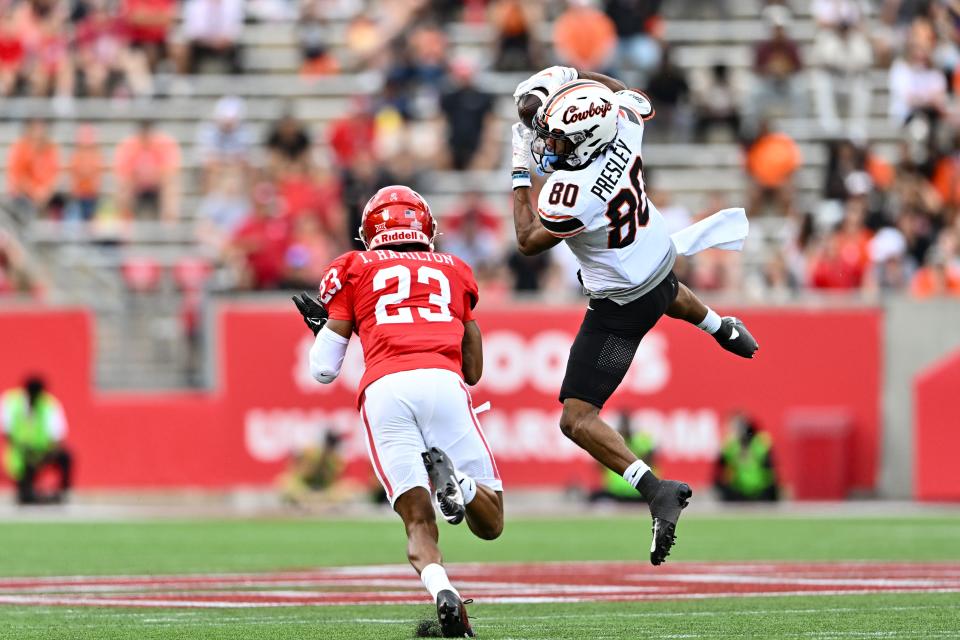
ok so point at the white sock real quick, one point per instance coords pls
(635, 471)
(435, 579)
(467, 485)
(710, 324)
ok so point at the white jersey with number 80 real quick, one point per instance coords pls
(603, 213)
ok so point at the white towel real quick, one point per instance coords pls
(726, 229)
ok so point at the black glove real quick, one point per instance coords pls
(312, 311)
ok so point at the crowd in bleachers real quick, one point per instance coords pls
(274, 208)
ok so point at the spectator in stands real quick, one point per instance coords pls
(777, 65)
(33, 165)
(844, 158)
(772, 159)
(469, 116)
(638, 27)
(48, 67)
(745, 470)
(225, 142)
(359, 179)
(15, 274)
(418, 71)
(889, 269)
(472, 232)
(35, 427)
(86, 170)
(919, 232)
(844, 256)
(301, 194)
(946, 176)
(312, 34)
(353, 134)
(840, 64)
(364, 40)
(585, 37)
(100, 52)
(669, 91)
(148, 24)
(797, 248)
(213, 29)
(222, 210)
(938, 277)
(917, 89)
(12, 54)
(516, 45)
(716, 104)
(529, 272)
(147, 168)
(257, 251)
(307, 255)
(288, 145)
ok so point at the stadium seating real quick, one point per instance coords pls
(83, 271)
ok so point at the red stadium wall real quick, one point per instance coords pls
(681, 387)
(937, 430)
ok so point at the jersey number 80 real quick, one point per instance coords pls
(627, 211)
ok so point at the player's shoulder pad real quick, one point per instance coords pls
(565, 206)
(635, 105)
(344, 260)
(463, 268)
(346, 264)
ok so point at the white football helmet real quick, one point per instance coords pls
(576, 124)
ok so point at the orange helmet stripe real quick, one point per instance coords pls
(574, 86)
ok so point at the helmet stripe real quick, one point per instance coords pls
(567, 91)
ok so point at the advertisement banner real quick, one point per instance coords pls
(681, 389)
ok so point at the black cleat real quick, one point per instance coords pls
(445, 486)
(670, 500)
(452, 615)
(734, 337)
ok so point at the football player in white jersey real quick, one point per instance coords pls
(587, 134)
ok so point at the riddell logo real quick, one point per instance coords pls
(573, 114)
(401, 235)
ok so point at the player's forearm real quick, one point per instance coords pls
(472, 349)
(532, 238)
(326, 355)
(611, 83)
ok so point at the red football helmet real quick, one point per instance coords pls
(397, 215)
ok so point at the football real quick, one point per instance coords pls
(527, 107)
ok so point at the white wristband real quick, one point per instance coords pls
(521, 178)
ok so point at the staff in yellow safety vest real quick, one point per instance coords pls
(34, 427)
(614, 486)
(745, 470)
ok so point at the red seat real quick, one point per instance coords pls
(141, 274)
(191, 274)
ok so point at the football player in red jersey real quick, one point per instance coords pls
(412, 308)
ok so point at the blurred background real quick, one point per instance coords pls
(170, 169)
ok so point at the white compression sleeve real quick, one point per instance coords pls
(326, 355)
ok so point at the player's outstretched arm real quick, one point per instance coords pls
(532, 238)
(472, 347)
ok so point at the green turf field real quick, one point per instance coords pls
(157, 547)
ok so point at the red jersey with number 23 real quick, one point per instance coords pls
(408, 307)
